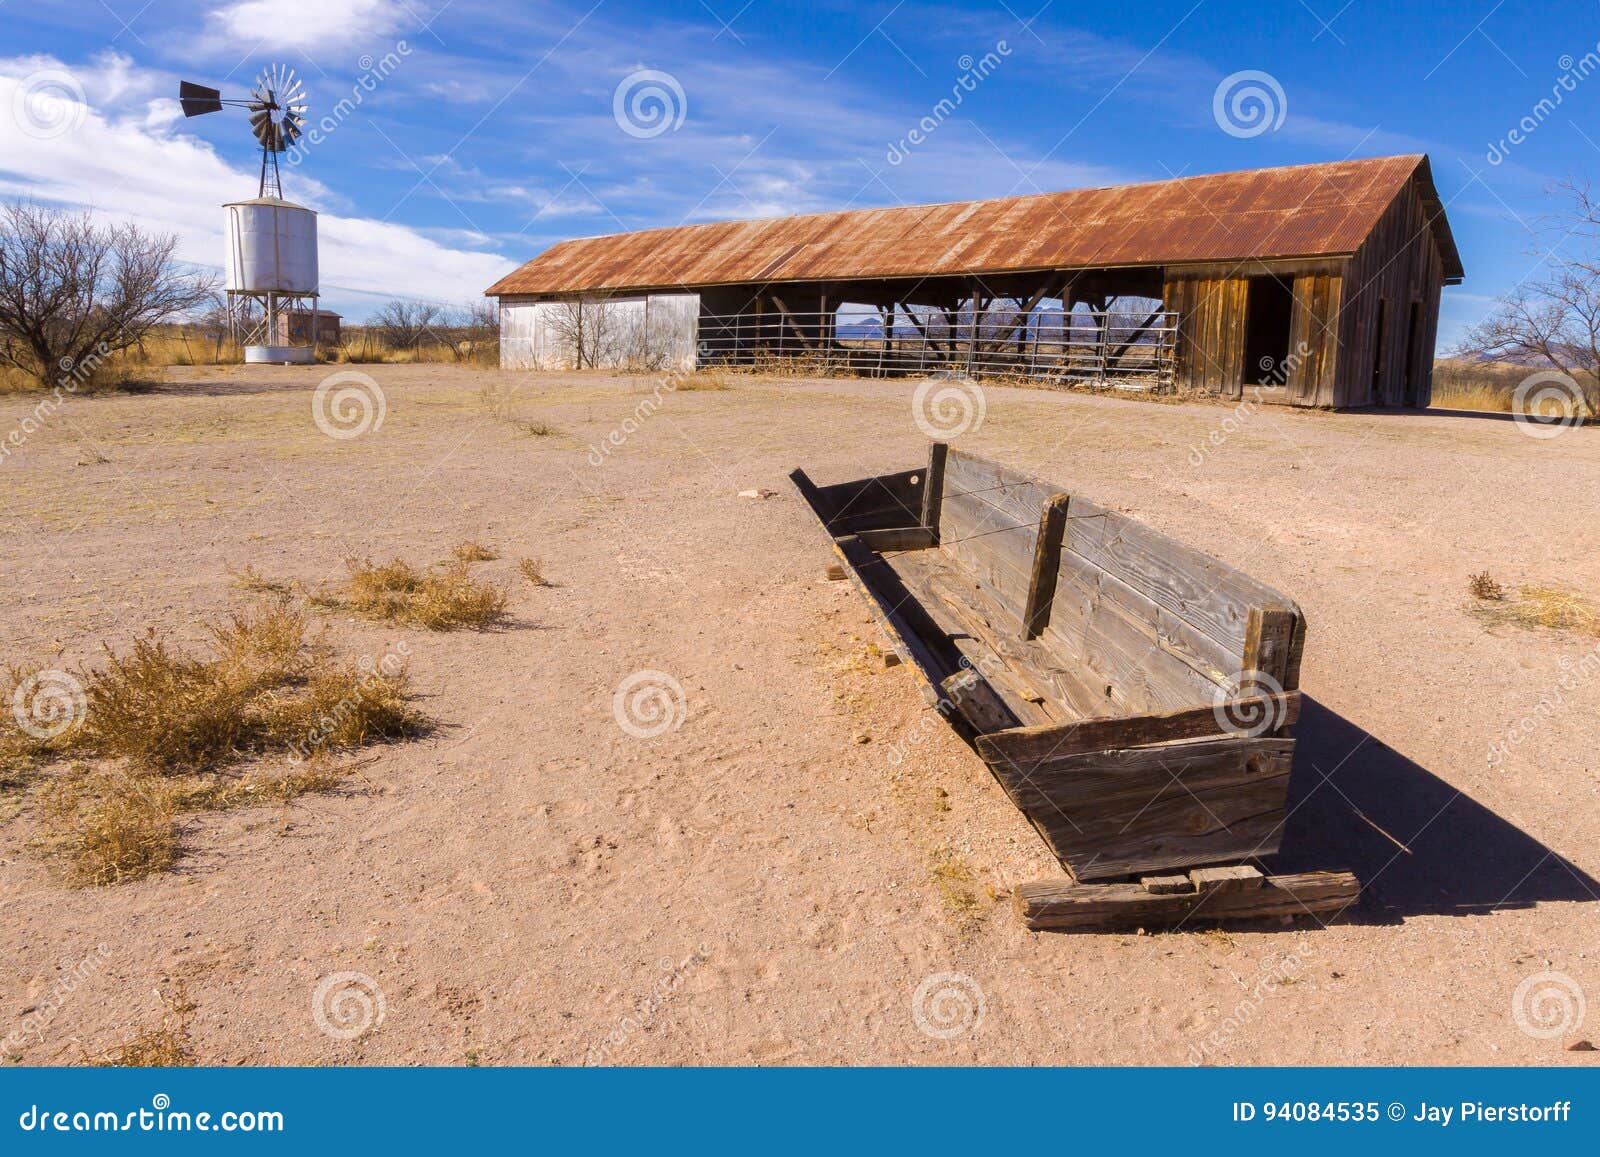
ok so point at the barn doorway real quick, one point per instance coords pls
(1269, 306)
(1414, 363)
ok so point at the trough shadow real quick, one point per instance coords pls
(1418, 845)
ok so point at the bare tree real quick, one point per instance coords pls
(72, 292)
(404, 324)
(469, 329)
(586, 329)
(1555, 320)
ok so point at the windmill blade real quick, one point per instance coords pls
(197, 99)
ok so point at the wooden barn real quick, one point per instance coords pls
(1313, 285)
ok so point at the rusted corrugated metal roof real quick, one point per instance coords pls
(1300, 211)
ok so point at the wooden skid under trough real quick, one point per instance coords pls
(1135, 697)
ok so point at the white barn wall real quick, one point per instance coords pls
(653, 332)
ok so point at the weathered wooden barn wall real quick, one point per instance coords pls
(653, 331)
(1314, 337)
(1391, 314)
(1211, 309)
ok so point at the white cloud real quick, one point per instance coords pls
(295, 24)
(131, 164)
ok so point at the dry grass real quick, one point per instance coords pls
(248, 578)
(1541, 606)
(538, 429)
(704, 380)
(440, 599)
(957, 883)
(1468, 385)
(108, 827)
(473, 551)
(167, 1045)
(1483, 586)
(532, 569)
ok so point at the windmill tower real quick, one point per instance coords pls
(270, 270)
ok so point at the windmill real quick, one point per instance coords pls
(277, 108)
(270, 274)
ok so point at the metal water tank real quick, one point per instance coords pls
(272, 247)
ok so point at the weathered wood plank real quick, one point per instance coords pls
(933, 486)
(886, 500)
(899, 616)
(1046, 566)
(1233, 878)
(1063, 905)
(1036, 744)
(1113, 813)
(1204, 592)
(977, 701)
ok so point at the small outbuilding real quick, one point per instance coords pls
(1314, 285)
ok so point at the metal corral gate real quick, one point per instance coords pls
(1128, 350)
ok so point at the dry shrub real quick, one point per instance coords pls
(264, 688)
(532, 569)
(1483, 586)
(538, 429)
(473, 551)
(166, 1046)
(440, 600)
(957, 884)
(108, 827)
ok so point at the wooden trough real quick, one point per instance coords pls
(1135, 697)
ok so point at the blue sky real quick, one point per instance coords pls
(493, 129)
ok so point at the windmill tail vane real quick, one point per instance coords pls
(277, 107)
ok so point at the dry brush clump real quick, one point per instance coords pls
(167, 1045)
(175, 721)
(441, 599)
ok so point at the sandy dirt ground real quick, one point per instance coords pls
(778, 878)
